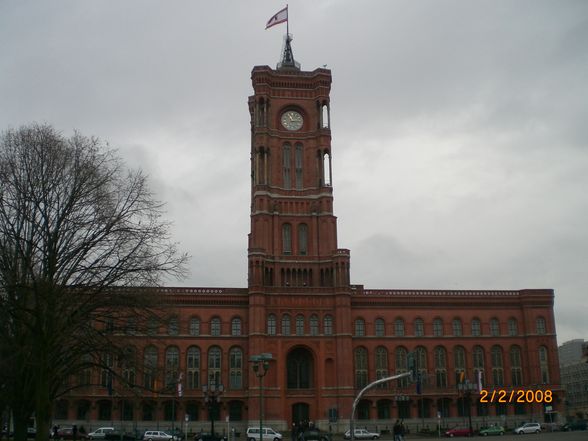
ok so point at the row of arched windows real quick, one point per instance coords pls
(161, 372)
(464, 366)
(298, 326)
(194, 327)
(439, 329)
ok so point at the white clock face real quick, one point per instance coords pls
(291, 120)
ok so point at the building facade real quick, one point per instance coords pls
(328, 338)
(574, 378)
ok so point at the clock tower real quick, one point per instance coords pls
(298, 278)
(293, 238)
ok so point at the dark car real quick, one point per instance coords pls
(204, 436)
(459, 431)
(575, 425)
(67, 433)
(314, 435)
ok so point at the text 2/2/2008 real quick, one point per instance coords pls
(516, 396)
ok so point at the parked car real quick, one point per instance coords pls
(158, 435)
(314, 435)
(575, 425)
(100, 433)
(459, 431)
(361, 434)
(492, 430)
(67, 433)
(204, 436)
(528, 428)
(269, 434)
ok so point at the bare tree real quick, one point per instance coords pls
(80, 236)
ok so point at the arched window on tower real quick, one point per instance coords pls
(299, 324)
(328, 325)
(325, 116)
(327, 169)
(314, 325)
(303, 239)
(285, 324)
(271, 324)
(286, 166)
(287, 239)
(299, 161)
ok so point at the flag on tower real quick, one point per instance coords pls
(279, 17)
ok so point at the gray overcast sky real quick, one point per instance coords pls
(460, 128)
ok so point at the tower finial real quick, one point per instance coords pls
(288, 61)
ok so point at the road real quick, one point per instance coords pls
(544, 436)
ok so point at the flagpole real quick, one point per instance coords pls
(287, 23)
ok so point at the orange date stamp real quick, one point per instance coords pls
(516, 396)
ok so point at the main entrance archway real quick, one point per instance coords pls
(300, 413)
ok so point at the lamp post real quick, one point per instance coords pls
(212, 393)
(467, 388)
(260, 368)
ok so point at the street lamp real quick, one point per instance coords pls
(260, 367)
(467, 388)
(212, 393)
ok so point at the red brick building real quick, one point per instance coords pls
(327, 338)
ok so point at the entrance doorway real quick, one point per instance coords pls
(300, 414)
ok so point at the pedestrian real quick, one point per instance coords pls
(74, 432)
(402, 430)
(396, 431)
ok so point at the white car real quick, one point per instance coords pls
(157, 435)
(528, 428)
(361, 434)
(100, 433)
(269, 434)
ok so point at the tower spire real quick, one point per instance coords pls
(288, 61)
